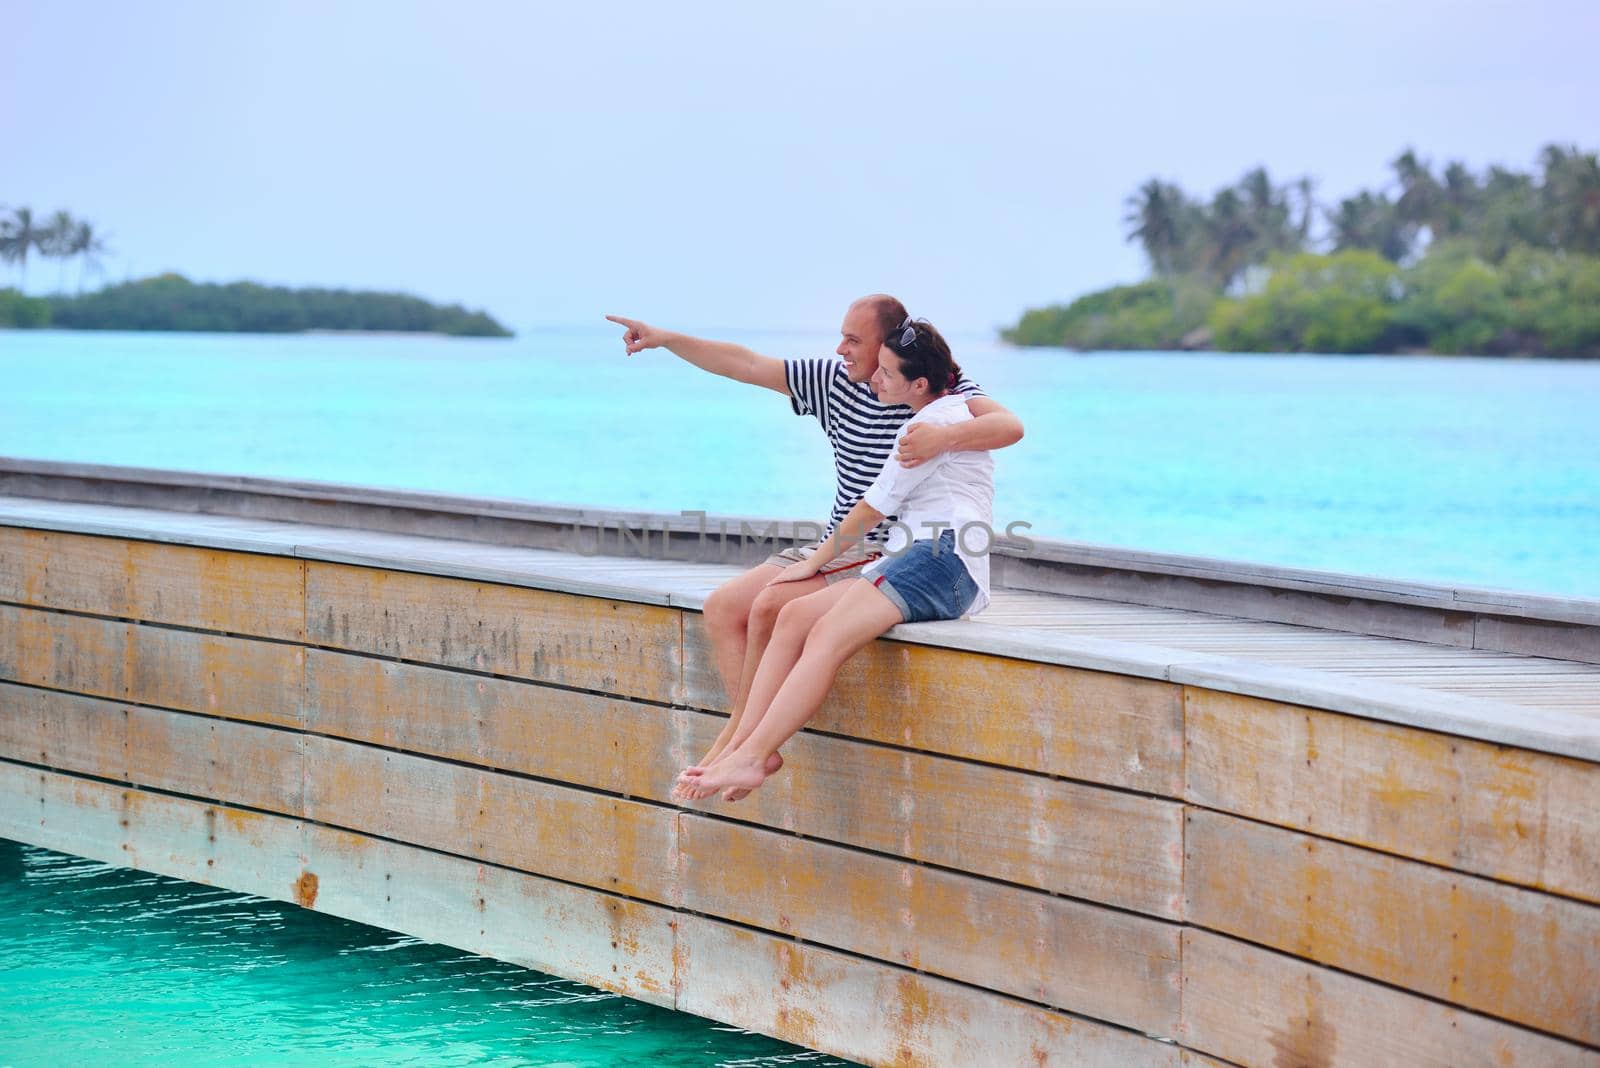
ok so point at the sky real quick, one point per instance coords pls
(736, 165)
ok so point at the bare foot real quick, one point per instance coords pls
(691, 774)
(739, 793)
(731, 772)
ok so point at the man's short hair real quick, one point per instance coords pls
(887, 312)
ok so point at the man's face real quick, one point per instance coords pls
(858, 343)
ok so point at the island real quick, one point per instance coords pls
(1502, 263)
(172, 302)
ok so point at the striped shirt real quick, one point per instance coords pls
(860, 428)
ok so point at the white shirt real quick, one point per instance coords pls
(954, 490)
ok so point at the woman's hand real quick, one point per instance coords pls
(796, 572)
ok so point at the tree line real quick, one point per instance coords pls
(172, 302)
(1447, 261)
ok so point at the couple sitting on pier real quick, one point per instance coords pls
(782, 630)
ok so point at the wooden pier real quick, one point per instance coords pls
(1147, 810)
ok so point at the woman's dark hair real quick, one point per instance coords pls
(924, 353)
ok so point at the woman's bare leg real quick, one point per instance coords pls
(860, 615)
(782, 651)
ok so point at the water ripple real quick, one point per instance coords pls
(105, 965)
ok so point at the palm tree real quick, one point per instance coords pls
(1231, 238)
(1159, 217)
(1571, 194)
(1460, 199)
(19, 236)
(1304, 188)
(1419, 201)
(55, 241)
(1369, 221)
(89, 246)
(1511, 215)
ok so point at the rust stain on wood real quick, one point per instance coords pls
(1307, 1041)
(305, 890)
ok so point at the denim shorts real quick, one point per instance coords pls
(927, 581)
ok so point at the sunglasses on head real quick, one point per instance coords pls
(908, 333)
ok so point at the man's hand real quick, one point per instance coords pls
(639, 336)
(920, 444)
(796, 572)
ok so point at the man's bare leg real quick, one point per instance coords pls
(858, 616)
(726, 614)
(764, 612)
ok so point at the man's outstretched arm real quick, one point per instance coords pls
(992, 427)
(719, 357)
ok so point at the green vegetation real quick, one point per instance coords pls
(172, 302)
(19, 310)
(1505, 263)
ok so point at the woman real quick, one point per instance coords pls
(942, 577)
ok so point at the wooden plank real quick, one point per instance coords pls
(240, 678)
(64, 652)
(209, 589)
(1091, 960)
(134, 828)
(1066, 837)
(587, 739)
(1517, 954)
(1252, 1006)
(1510, 814)
(64, 731)
(879, 1014)
(1089, 725)
(217, 759)
(608, 942)
(584, 642)
(622, 846)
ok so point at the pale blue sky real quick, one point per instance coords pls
(736, 165)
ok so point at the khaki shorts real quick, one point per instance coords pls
(847, 565)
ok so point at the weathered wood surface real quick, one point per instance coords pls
(1066, 837)
(240, 678)
(126, 826)
(218, 759)
(208, 589)
(859, 1008)
(64, 731)
(1518, 954)
(586, 643)
(1062, 721)
(1280, 662)
(1256, 1007)
(1510, 814)
(542, 730)
(564, 833)
(1095, 961)
(880, 1014)
(606, 941)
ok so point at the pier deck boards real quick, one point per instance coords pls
(1536, 702)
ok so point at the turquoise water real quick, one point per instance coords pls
(1456, 470)
(107, 966)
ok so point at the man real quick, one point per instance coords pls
(741, 613)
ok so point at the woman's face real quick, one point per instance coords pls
(889, 384)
